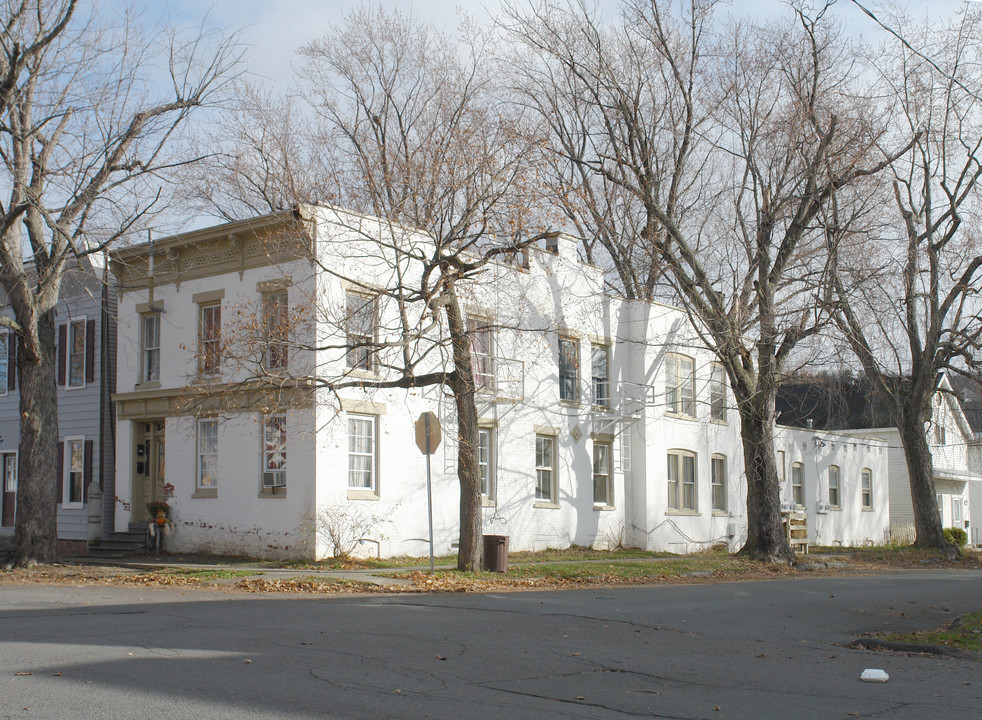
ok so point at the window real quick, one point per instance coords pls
(150, 353)
(74, 471)
(680, 385)
(717, 394)
(545, 463)
(956, 511)
(276, 327)
(76, 353)
(482, 353)
(867, 488)
(719, 482)
(798, 484)
(601, 474)
(274, 452)
(359, 326)
(210, 342)
(939, 432)
(207, 453)
(599, 367)
(569, 370)
(4, 347)
(834, 485)
(485, 461)
(10, 472)
(781, 463)
(362, 453)
(681, 480)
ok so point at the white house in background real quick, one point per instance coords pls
(839, 481)
(602, 420)
(957, 472)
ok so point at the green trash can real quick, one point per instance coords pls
(496, 553)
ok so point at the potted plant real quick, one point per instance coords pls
(159, 511)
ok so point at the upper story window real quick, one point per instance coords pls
(717, 393)
(276, 328)
(150, 348)
(76, 353)
(600, 372)
(210, 339)
(867, 488)
(834, 499)
(360, 324)
(680, 385)
(482, 353)
(798, 484)
(5, 339)
(569, 369)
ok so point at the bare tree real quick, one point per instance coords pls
(700, 159)
(81, 141)
(908, 295)
(434, 178)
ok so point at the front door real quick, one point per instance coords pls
(148, 476)
(9, 496)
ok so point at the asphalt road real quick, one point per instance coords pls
(731, 650)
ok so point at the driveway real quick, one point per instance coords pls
(728, 650)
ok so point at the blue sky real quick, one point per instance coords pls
(274, 29)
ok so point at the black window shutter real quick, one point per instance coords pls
(90, 351)
(61, 471)
(62, 350)
(88, 470)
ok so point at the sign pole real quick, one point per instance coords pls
(429, 487)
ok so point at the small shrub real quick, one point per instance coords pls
(956, 536)
(341, 527)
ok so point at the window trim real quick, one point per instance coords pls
(837, 486)
(600, 387)
(371, 491)
(205, 349)
(144, 375)
(3, 470)
(608, 500)
(680, 505)
(489, 497)
(6, 335)
(368, 342)
(275, 337)
(676, 404)
(548, 501)
(714, 460)
(264, 449)
(866, 487)
(799, 466)
(717, 393)
(65, 500)
(485, 379)
(574, 343)
(201, 490)
(75, 322)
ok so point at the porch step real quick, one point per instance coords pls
(120, 543)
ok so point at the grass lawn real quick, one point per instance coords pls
(963, 633)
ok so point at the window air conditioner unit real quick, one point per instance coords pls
(274, 479)
(787, 507)
(824, 507)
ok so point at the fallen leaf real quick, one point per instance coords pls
(56, 675)
(24, 673)
(578, 654)
(716, 708)
(247, 662)
(580, 697)
(439, 657)
(761, 655)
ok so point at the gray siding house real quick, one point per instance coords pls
(86, 337)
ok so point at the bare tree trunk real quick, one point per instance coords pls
(470, 549)
(765, 537)
(36, 527)
(920, 470)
